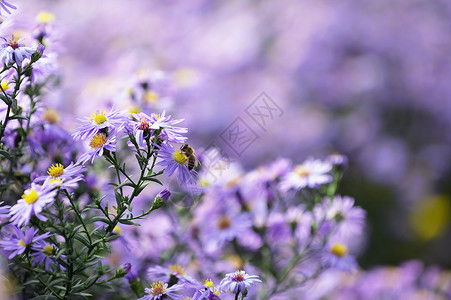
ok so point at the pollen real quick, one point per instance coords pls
(98, 141)
(5, 85)
(302, 171)
(238, 276)
(144, 124)
(48, 250)
(208, 283)
(134, 110)
(30, 196)
(117, 230)
(45, 17)
(21, 243)
(151, 96)
(339, 249)
(52, 116)
(56, 170)
(99, 117)
(224, 223)
(157, 288)
(179, 157)
(14, 42)
(177, 269)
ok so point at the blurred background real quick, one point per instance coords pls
(368, 79)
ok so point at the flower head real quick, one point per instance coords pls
(175, 160)
(98, 143)
(311, 173)
(33, 201)
(336, 256)
(18, 241)
(14, 51)
(160, 289)
(63, 177)
(114, 120)
(44, 253)
(169, 132)
(238, 281)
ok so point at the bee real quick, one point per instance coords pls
(188, 151)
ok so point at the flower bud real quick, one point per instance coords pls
(123, 270)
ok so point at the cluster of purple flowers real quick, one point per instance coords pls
(235, 283)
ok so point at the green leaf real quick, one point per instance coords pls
(6, 154)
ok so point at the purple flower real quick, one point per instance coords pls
(19, 241)
(207, 292)
(63, 177)
(174, 160)
(163, 274)
(99, 120)
(98, 143)
(350, 219)
(33, 201)
(169, 132)
(238, 281)
(311, 173)
(14, 51)
(43, 252)
(5, 5)
(160, 289)
(336, 256)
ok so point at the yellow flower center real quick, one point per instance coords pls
(48, 250)
(30, 196)
(157, 288)
(302, 171)
(208, 283)
(224, 223)
(98, 141)
(5, 85)
(99, 117)
(179, 157)
(51, 116)
(117, 230)
(339, 249)
(45, 17)
(177, 269)
(56, 170)
(151, 96)
(134, 109)
(21, 243)
(56, 180)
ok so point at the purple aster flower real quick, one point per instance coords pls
(163, 274)
(220, 228)
(98, 143)
(33, 201)
(350, 219)
(311, 173)
(15, 51)
(19, 241)
(238, 281)
(169, 132)
(63, 177)
(174, 160)
(4, 5)
(43, 252)
(98, 121)
(336, 256)
(160, 289)
(140, 128)
(207, 292)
